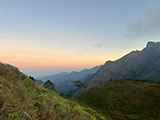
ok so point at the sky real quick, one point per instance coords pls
(49, 36)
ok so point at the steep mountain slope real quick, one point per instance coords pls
(22, 99)
(125, 99)
(64, 81)
(143, 64)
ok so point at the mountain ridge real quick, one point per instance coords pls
(144, 64)
(64, 81)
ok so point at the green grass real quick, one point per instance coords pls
(22, 99)
(124, 99)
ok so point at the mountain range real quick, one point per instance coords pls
(144, 64)
(64, 81)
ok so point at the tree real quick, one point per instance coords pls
(49, 85)
(32, 78)
(62, 94)
(79, 84)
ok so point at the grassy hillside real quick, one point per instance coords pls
(22, 99)
(125, 99)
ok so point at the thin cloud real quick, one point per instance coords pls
(97, 45)
(148, 25)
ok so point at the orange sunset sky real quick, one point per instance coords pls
(73, 34)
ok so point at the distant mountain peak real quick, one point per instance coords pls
(151, 45)
(108, 62)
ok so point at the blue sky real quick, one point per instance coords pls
(65, 34)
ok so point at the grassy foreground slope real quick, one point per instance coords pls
(22, 99)
(125, 99)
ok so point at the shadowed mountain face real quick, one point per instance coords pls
(64, 81)
(143, 64)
